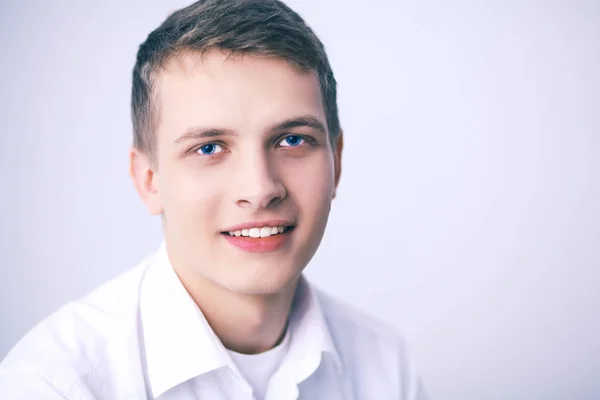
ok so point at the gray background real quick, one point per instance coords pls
(468, 210)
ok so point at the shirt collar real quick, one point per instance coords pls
(310, 332)
(179, 343)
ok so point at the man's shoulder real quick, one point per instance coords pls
(344, 317)
(78, 335)
(369, 346)
(359, 335)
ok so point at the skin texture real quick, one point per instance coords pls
(245, 170)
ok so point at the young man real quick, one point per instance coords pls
(237, 146)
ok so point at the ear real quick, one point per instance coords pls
(144, 180)
(337, 154)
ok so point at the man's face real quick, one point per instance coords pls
(242, 144)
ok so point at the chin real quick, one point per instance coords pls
(262, 282)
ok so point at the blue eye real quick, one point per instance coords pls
(209, 149)
(292, 141)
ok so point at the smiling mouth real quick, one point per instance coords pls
(259, 233)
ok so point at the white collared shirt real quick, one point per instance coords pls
(141, 336)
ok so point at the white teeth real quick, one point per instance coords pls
(265, 231)
(254, 232)
(258, 232)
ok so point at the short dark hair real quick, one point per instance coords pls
(258, 27)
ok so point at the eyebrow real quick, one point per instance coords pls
(305, 120)
(309, 121)
(199, 133)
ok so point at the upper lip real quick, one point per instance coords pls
(259, 224)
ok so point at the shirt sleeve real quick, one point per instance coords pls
(411, 385)
(420, 393)
(26, 386)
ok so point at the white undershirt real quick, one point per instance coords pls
(259, 368)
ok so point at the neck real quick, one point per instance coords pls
(245, 323)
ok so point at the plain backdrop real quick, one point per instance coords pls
(468, 212)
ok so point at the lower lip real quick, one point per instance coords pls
(260, 245)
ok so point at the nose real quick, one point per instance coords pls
(259, 186)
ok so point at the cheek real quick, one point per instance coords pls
(191, 193)
(312, 183)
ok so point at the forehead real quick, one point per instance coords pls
(242, 93)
